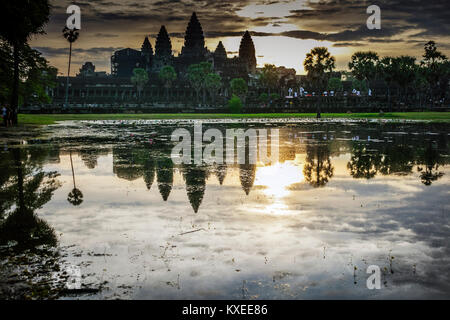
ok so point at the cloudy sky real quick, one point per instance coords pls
(283, 31)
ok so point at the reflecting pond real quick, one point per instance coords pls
(106, 199)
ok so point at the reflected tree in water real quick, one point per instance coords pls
(364, 163)
(27, 242)
(195, 178)
(429, 163)
(22, 194)
(75, 197)
(397, 159)
(318, 169)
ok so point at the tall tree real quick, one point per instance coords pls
(139, 79)
(30, 17)
(335, 84)
(319, 65)
(75, 197)
(167, 75)
(36, 76)
(197, 74)
(239, 88)
(387, 69)
(268, 77)
(405, 75)
(436, 70)
(213, 84)
(71, 36)
(363, 66)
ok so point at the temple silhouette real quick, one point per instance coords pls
(193, 51)
(90, 88)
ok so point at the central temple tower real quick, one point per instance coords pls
(194, 50)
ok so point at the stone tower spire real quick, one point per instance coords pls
(194, 40)
(147, 47)
(220, 52)
(247, 52)
(147, 54)
(163, 47)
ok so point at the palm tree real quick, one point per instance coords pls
(364, 164)
(435, 69)
(139, 79)
(318, 169)
(75, 197)
(387, 69)
(71, 36)
(197, 74)
(239, 87)
(168, 76)
(213, 84)
(268, 77)
(406, 74)
(364, 66)
(319, 64)
(29, 18)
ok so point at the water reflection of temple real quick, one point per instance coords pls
(372, 154)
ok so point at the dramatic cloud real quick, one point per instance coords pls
(338, 24)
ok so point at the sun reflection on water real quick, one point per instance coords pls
(275, 181)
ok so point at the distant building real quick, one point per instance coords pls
(123, 62)
(88, 70)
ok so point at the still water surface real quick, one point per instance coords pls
(343, 196)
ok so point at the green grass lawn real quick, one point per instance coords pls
(31, 119)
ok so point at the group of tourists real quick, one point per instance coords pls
(7, 116)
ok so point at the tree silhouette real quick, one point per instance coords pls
(436, 70)
(429, 163)
(319, 64)
(364, 66)
(363, 163)
(139, 79)
(29, 19)
(268, 78)
(30, 189)
(75, 197)
(167, 75)
(318, 169)
(397, 159)
(71, 35)
(213, 84)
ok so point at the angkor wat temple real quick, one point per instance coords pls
(91, 88)
(194, 51)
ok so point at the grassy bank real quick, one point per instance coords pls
(31, 119)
